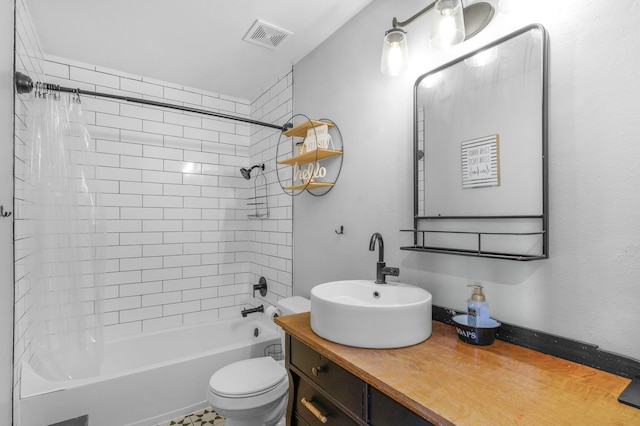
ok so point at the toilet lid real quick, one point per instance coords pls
(247, 377)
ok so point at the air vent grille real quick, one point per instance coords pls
(266, 35)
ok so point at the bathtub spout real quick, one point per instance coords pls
(246, 312)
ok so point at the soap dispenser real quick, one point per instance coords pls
(477, 308)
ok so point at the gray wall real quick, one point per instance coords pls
(589, 288)
(6, 200)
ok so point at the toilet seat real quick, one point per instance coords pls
(247, 378)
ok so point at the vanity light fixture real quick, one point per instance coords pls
(452, 24)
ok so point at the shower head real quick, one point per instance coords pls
(246, 173)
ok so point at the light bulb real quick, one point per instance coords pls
(395, 54)
(448, 24)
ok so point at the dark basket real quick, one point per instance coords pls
(481, 336)
(274, 351)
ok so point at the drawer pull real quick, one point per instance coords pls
(316, 370)
(314, 410)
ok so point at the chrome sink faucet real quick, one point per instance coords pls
(381, 270)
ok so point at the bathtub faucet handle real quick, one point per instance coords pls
(262, 286)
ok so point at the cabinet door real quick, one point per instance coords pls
(343, 386)
(296, 420)
(317, 407)
(384, 411)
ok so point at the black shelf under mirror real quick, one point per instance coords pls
(421, 244)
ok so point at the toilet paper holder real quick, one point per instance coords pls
(261, 286)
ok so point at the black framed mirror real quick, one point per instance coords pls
(480, 152)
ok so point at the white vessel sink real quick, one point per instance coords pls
(364, 314)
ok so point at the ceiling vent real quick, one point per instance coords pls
(266, 35)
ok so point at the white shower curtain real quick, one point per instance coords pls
(67, 243)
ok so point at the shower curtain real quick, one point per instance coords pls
(67, 242)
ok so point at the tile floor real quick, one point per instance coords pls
(206, 417)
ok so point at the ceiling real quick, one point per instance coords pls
(194, 43)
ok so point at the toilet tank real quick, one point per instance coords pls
(293, 305)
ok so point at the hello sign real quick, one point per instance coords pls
(313, 171)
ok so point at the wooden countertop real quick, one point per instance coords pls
(447, 381)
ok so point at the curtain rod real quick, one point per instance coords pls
(24, 84)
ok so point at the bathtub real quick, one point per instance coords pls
(149, 378)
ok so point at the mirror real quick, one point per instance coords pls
(480, 141)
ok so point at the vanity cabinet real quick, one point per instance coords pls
(322, 392)
(443, 381)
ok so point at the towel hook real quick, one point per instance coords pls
(3, 213)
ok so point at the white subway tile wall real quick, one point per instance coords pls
(270, 241)
(164, 225)
(176, 202)
(181, 249)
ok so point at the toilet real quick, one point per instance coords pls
(254, 391)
